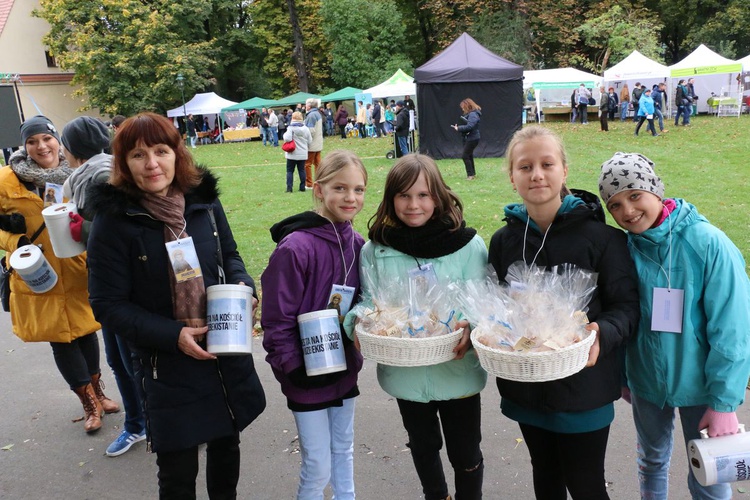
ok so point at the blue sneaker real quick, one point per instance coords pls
(123, 443)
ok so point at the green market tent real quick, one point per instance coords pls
(254, 103)
(299, 97)
(345, 94)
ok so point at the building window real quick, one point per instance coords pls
(51, 63)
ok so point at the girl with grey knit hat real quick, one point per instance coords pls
(692, 350)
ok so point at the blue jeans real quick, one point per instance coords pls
(658, 114)
(624, 111)
(274, 139)
(655, 429)
(574, 115)
(264, 134)
(403, 145)
(326, 442)
(120, 361)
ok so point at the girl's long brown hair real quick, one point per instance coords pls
(401, 177)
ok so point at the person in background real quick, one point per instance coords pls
(614, 103)
(470, 133)
(71, 329)
(390, 116)
(603, 109)
(302, 138)
(85, 140)
(624, 102)
(329, 119)
(314, 122)
(402, 129)
(635, 99)
(684, 104)
(265, 134)
(697, 360)
(342, 118)
(658, 95)
(273, 128)
(377, 116)
(116, 122)
(158, 200)
(191, 133)
(362, 119)
(284, 119)
(582, 97)
(646, 112)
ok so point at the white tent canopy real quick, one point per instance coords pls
(745, 61)
(713, 73)
(704, 61)
(202, 104)
(636, 67)
(560, 78)
(398, 85)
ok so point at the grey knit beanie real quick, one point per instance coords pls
(628, 172)
(85, 137)
(39, 124)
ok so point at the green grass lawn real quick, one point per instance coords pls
(705, 163)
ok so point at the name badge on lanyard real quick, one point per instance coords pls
(184, 259)
(666, 310)
(341, 298)
(53, 193)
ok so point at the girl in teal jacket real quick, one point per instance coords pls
(420, 223)
(700, 360)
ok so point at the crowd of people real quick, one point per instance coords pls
(646, 104)
(140, 195)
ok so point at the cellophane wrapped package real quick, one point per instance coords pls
(537, 309)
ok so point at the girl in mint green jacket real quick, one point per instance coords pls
(419, 224)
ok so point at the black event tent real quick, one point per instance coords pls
(467, 69)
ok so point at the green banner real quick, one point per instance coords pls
(561, 85)
(707, 70)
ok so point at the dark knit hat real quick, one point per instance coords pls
(39, 124)
(400, 103)
(628, 172)
(85, 137)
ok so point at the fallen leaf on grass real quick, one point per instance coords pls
(518, 441)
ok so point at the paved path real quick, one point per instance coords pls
(50, 457)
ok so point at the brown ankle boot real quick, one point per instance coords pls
(91, 407)
(108, 405)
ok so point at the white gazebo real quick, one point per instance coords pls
(715, 76)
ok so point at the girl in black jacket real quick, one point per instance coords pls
(565, 423)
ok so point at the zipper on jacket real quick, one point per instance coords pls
(145, 409)
(223, 388)
(154, 359)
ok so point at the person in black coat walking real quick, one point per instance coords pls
(158, 197)
(567, 421)
(470, 133)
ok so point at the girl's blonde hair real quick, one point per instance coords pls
(333, 163)
(534, 132)
(297, 116)
(400, 178)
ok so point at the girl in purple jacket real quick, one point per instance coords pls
(316, 258)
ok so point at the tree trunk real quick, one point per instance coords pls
(298, 54)
(605, 59)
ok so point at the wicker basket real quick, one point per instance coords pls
(533, 366)
(396, 351)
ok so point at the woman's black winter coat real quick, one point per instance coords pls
(187, 401)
